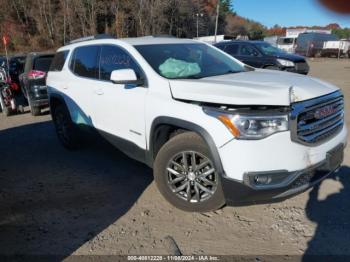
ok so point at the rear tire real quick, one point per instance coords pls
(194, 185)
(20, 109)
(66, 130)
(34, 110)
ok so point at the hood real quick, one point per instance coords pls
(258, 87)
(290, 57)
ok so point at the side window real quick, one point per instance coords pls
(248, 50)
(58, 61)
(114, 58)
(232, 49)
(85, 61)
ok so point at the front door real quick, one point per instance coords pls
(119, 110)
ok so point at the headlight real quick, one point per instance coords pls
(285, 63)
(244, 126)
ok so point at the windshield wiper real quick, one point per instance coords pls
(225, 73)
(189, 77)
(230, 72)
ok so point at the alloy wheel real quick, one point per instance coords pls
(192, 176)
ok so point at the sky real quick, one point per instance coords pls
(288, 13)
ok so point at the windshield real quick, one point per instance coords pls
(184, 61)
(268, 49)
(285, 41)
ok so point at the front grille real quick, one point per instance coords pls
(301, 66)
(317, 120)
(308, 178)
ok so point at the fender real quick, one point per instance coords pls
(164, 120)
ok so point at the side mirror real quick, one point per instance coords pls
(124, 76)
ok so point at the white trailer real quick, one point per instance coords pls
(336, 48)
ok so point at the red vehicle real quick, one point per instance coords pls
(9, 93)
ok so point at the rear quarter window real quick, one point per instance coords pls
(58, 61)
(42, 63)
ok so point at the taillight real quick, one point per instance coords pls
(35, 74)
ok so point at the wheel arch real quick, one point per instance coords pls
(179, 124)
(55, 100)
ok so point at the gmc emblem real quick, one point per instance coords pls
(324, 112)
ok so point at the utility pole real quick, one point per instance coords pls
(64, 21)
(5, 41)
(340, 46)
(201, 15)
(217, 19)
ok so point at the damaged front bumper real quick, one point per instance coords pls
(261, 187)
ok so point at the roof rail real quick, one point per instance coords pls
(157, 36)
(164, 35)
(92, 37)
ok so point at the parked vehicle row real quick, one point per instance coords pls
(213, 129)
(315, 44)
(311, 44)
(260, 54)
(11, 99)
(26, 76)
(33, 81)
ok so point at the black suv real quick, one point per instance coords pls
(33, 81)
(261, 54)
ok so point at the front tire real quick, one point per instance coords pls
(66, 130)
(186, 176)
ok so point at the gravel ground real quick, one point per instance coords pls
(98, 201)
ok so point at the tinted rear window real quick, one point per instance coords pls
(59, 60)
(85, 61)
(42, 63)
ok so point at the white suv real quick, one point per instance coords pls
(214, 130)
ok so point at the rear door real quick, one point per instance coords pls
(80, 82)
